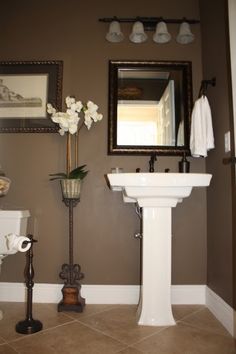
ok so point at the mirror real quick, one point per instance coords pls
(150, 106)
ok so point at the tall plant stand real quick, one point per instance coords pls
(70, 273)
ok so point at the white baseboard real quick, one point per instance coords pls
(221, 310)
(124, 294)
(188, 294)
(100, 294)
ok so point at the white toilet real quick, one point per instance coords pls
(13, 226)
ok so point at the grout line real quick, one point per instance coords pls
(158, 330)
(192, 313)
(130, 346)
(101, 332)
(199, 327)
(83, 315)
(101, 311)
(227, 335)
(119, 340)
(2, 339)
(13, 348)
(40, 332)
(9, 345)
(151, 335)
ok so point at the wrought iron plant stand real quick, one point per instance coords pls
(70, 273)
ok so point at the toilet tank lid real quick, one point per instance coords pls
(14, 214)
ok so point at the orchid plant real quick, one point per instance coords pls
(70, 122)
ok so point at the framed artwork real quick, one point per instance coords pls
(25, 89)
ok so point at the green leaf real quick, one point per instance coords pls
(78, 173)
(59, 175)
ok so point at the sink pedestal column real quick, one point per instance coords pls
(155, 300)
(156, 194)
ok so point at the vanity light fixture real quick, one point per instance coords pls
(138, 35)
(161, 34)
(185, 36)
(114, 34)
(156, 24)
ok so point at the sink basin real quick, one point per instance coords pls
(156, 194)
(159, 179)
(140, 187)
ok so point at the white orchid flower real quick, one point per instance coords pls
(92, 111)
(60, 118)
(77, 106)
(72, 113)
(92, 107)
(55, 118)
(99, 117)
(72, 128)
(69, 101)
(87, 120)
(68, 121)
(96, 116)
(73, 117)
(61, 131)
(50, 109)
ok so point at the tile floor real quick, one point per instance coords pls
(107, 329)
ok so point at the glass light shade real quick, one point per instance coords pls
(161, 34)
(114, 34)
(185, 35)
(138, 35)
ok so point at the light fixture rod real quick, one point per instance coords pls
(148, 22)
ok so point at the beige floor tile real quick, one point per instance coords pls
(130, 350)
(183, 339)
(72, 338)
(105, 329)
(120, 323)
(181, 311)
(6, 349)
(205, 320)
(15, 312)
(88, 311)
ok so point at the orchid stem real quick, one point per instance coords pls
(68, 154)
(76, 150)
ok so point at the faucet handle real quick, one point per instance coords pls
(153, 156)
(152, 160)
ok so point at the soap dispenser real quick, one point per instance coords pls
(184, 164)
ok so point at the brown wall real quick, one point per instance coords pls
(219, 195)
(104, 225)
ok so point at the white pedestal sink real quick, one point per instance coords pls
(156, 194)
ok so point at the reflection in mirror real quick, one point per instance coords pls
(149, 107)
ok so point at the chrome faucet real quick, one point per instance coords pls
(152, 160)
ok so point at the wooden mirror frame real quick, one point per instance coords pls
(185, 67)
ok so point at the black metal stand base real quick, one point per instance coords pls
(28, 326)
(72, 301)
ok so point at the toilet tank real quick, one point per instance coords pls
(13, 221)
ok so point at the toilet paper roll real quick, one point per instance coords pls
(15, 244)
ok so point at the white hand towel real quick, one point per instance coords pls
(201, 137)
